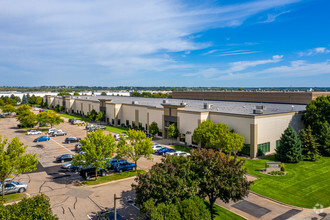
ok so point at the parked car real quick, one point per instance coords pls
(94, 128)
(109, 215)
(33, 132)
(114, 161)
(123, 166)
(179, 153)
(67, 165)
(64, 157)
(161, 151)
(157, 147)
(74, 168)
(36, 109)
(14, 187)
(42, 138)
(72, 119)
(76, 122)
(89, 172)
(69, 140)
(59, 133)
(168, 150)
(149, 135)
(117, 136)
(89, 126)
(51, 130)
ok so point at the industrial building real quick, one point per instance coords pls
(261, 124)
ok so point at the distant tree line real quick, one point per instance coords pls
(154, 95)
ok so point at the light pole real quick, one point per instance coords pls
(115, 198)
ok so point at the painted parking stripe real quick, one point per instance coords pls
(62, 146)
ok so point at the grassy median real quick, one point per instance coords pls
(306, 183)
(14, 197)
(117, 130)
(182, 148)
(112, 177)
(79, 117)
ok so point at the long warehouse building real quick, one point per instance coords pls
(260, 124)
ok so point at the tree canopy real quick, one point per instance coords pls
(49, 117)
(14, 160)
(324, 139)
(135, 146)
(8, 108)
(97, 147)
(309, 145)
(153, 128)
(25, 116)
(173, 131)
(289, 149)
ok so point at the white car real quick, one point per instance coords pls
(178, 153)
(36, 109)
(157, 147)
(117, 136)
(51, 130)
(32, 132)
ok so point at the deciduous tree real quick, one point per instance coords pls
(135, 146)
(233, 143)
(167, 182)
(8, 108)
(173, 131)
(220, 176)
(153, 128)
(97, 146)
(289, 149)
(14, 160)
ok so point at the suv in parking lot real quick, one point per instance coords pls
(69, 140)
(64, 157)
(14, 187)
(123, 166)
(89, 172)
(59, 133)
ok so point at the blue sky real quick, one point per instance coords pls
(236, 43)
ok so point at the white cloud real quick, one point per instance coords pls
(272, 17)
(122, 36)
(315, 51)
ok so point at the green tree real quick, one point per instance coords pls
(173, 131)
(100, 116)
(37, 207)
(97, 147)
(233, 143)
(103, 93)
(92, 115)
(220, 177)
(76, 93)
(317, 112)
(22, 109)
(164, 211)
(39, 100)
(194, 209)
(167, 182)
(14, 160)
(324, 139)
(289, 149)
(26, 118)
(153, 128)
(2, 103)
(8, 108)
(24, 100)
(136, 145)
(309, 145)
(54, 119)
(32, 100)
(212, 135)
(63, 93)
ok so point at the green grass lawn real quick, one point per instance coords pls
(112, 177)
(181, 148)
(224, 214)
(306, 183)
(79, 117)
(14, 197)
(118, 130)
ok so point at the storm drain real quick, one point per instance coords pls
(251, 208)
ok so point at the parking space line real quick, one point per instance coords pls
(62, 146)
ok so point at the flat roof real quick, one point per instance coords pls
(231, 107)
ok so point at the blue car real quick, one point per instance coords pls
(42, 138)
(112, 162)
(123, 166)
(161, 151)
(167, 150)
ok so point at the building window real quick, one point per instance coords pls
(277, 143)
(112, 121)
(169, 112)
(118, 121)
(127, 122)
(265, 147)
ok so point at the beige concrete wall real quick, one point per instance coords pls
(240, 124)
(188, 121)
(271, 128)
(156, 115)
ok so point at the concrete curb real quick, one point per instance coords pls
(114, 181)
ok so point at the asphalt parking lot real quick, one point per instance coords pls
(69, 201)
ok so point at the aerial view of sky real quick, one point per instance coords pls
(224, 43)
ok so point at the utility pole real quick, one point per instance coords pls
(115, 198)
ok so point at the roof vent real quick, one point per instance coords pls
(258, 111)
(135, 102)
(208, 106)
(165, 101)
(183, 103)
(261, 107)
